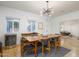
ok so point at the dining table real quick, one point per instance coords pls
(38, 38)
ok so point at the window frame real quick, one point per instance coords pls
(13, 20)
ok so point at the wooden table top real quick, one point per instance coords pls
(40, 37)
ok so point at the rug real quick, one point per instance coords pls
(54, 53)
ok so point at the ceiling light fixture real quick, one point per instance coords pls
(48, 10)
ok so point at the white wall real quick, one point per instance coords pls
(74, 16)
(24, 16)
(51, 25)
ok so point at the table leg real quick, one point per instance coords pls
(35, 49)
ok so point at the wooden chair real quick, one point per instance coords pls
(28, 49)
(26, 45)
(55, 44)
(52, 42)
(45, 46)
(37, 48)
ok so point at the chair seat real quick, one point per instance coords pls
(28, 47)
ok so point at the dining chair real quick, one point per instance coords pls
(52, 42)
(26, 46)
(55, 43)
(28, 49)
(37, 48)
(45, 47)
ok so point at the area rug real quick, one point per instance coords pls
(54, 53)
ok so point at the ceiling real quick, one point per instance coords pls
(60, 7)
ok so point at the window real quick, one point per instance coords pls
(9, 26)
(12, 25)
(16, 26)
(31, 26)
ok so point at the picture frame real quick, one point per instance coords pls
(40, 25)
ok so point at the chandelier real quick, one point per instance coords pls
(48, 10)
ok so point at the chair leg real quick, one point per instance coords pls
(43, 48)
(35, 49)
(49, 48)
(42, 51)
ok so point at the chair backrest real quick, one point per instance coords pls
(44, 42)
(52, 39)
